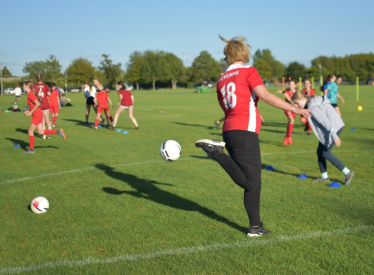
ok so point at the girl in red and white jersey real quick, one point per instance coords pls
(309, 92)
(43, 92)
(126, 101)
(54, 103)
(238, 91)
(102, 105)
(34, 102)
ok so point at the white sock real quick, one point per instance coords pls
(346, 171)
(325, 175)
(50, 128)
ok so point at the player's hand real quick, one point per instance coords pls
(280, 91)
(28, 113)
(303, 112)
(338, 142)
(262, 120)
(343, 101)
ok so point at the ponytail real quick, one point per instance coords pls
(31, 87)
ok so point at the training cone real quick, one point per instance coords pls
(92, 124)
(302, 176)
(16, 145)
(118, 130)
(270, 168)
(353, 129)
(334, 184)
(105, 127)
(125, 132)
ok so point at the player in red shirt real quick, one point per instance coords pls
(309, 92)
(54, 104)
(238, 91)
(44, 93)
(126, 101)
(103, 99)
(34, 102)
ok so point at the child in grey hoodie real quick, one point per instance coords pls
(327, 126)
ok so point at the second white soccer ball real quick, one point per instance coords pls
(170, 150)
(39, 205)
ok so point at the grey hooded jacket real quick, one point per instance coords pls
(324, 120)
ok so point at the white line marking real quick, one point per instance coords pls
(157, 161)
(185, 250)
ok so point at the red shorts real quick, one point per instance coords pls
(54, 109)
(101, 108)
(289, 113)
(37, 117)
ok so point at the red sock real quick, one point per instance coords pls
(289, 130)
(50, 132)
(31, 139)
(54, 120)
(96, 123)
(110, 117)
(309, 128)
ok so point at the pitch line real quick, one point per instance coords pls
(185, 250)
(153, 161)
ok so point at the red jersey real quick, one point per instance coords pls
(43, 92)
(126, 97)
(312, 92)
(31, 98)
(53, 98)
(103, 99)
(289, 93)
(234, 93)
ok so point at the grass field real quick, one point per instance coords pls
(117, 208)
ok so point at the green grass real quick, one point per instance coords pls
(111, 195)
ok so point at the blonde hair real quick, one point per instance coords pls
(298, 95)
(236, 50)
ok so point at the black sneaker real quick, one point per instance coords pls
(348, 178)
(137, 128)
(112, 129)
(210, 146)
(320, 179)
(61, 133)
(257, 231)
(29, 151)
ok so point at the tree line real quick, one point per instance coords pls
(150, 69)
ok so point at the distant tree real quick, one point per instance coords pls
(263, 69)
(111, 71)
(154, 67)
(50, 69)
(276, 66)
(205, 68)
(81, 70)
(134, 68)
(175, 69)
(6, 72)
(223, 64)
(295, 70)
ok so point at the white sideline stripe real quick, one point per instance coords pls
(185, 250)
(156, 161)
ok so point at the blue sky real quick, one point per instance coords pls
(292, 30)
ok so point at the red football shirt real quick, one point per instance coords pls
(43, 92)
(312, 92)
(289, 93)
(234, 93)
(53, 98)
(31, 98)
(102, 97)
(126, 97)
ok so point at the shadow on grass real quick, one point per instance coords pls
(148, 189)
(195, 125)
(77, 122)
(274, 143)
(23, 145)
(23, 131)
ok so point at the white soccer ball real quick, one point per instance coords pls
(170, 150)
(39, 205)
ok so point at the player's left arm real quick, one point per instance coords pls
(132, 99)
(341, 98)
(111, 105)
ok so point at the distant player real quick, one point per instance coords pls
(238, 91)
(90, 93)
(102, 105)
(290, 115)
(33, 100)
(327, 126)
(17, 94)
(54, 103)
(331, 91)
(309, 92)
(126, 101)
(44, 93)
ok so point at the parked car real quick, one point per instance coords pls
(75, 89)
(9, 91)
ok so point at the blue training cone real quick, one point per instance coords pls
(302, 176)
(92, 124)
(270, 168)
(16, 145)
(118, 130)
(334, 184)
(125, 132)
(353, 129)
